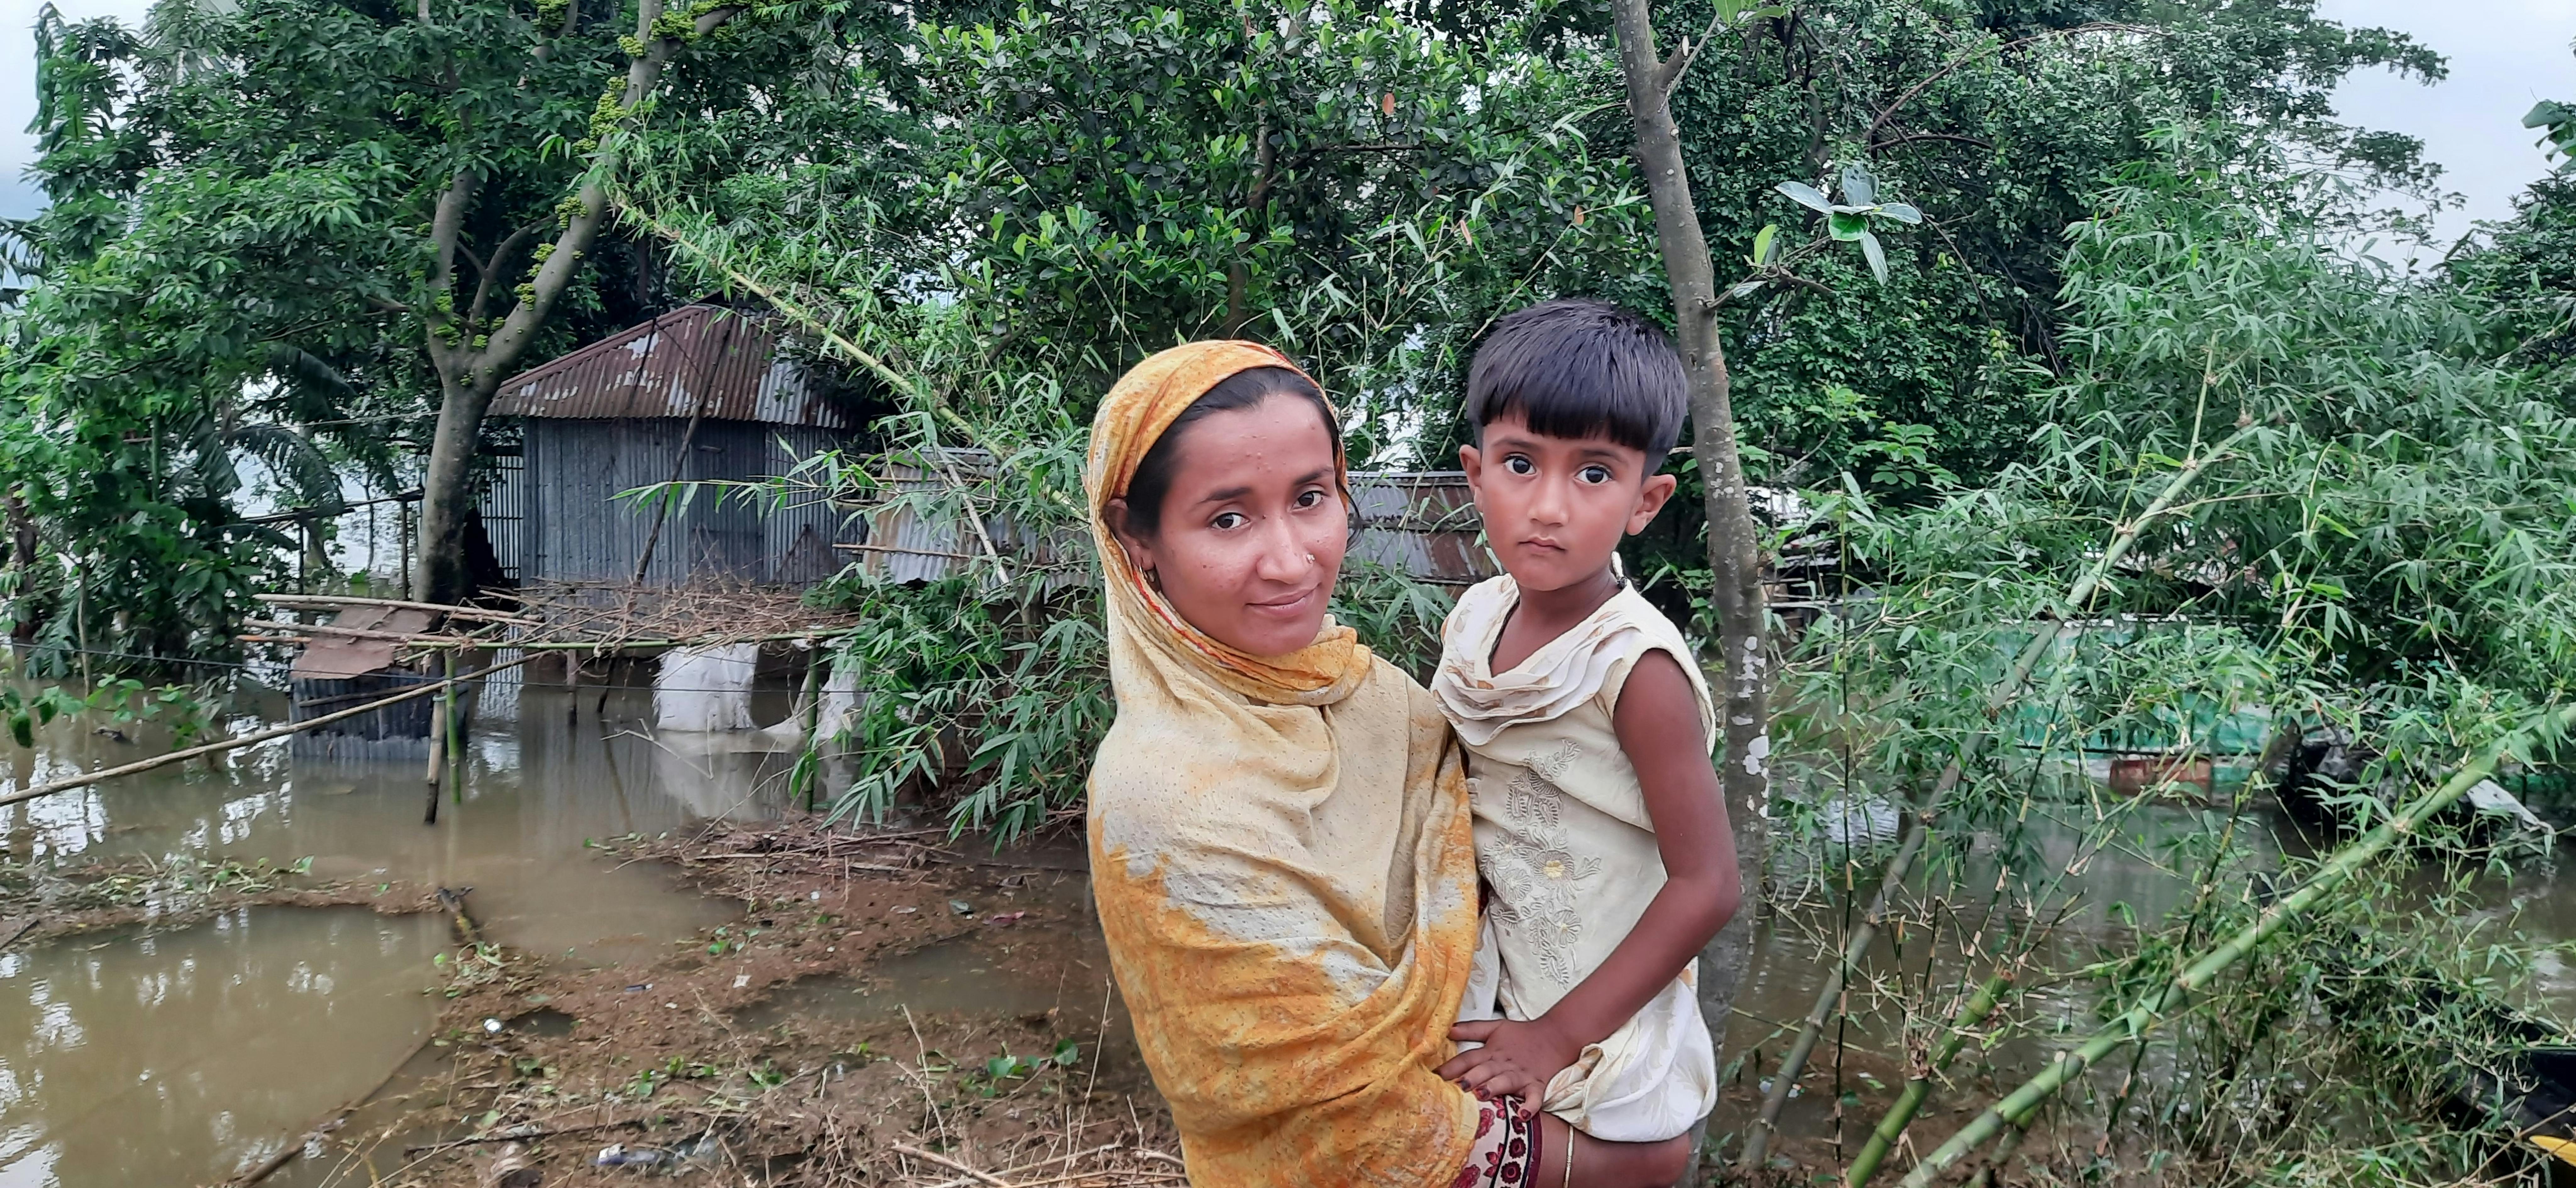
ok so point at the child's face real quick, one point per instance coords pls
(1555, 508)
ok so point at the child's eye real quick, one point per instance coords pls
(1520, 464)
(1228, 521)
(1595, 474)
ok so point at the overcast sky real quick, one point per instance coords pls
(2504, 54)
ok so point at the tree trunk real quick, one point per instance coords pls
(468, 377)
(1734, 554)
(22, 562)
(441, 574)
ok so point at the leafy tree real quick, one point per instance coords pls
(1999, 121)
(346, 178)
(2524, 268)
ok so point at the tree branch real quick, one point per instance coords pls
(500, 256)
(1991, 47)
(1911, 137)
(1669, 74)
(572, 245)
(446, 226)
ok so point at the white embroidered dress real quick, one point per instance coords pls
(1565, 844)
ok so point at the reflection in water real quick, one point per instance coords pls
(179, 1057)
(176, 1059)
(2131, 878)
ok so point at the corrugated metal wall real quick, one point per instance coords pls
(802, 531)
(504, 495)
(574, 528)
(1419, 523)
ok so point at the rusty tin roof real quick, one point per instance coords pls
(665, 367)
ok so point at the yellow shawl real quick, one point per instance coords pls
(1281, 851)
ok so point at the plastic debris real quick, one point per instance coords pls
(621, 1155)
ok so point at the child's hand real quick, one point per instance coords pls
(1517, 1060)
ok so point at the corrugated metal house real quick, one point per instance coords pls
(701, 392)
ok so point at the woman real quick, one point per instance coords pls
(1279, 829)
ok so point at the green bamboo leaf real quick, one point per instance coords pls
(1763, 242)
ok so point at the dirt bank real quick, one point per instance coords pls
(883, 1010)
(41, 901)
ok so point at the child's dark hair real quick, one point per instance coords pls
(1576, 368)
(1152, 483)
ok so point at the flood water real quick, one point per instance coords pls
(182, 1056)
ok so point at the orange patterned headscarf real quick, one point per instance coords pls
(1145, 403)
(1281, 855)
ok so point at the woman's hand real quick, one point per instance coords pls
(1517, 1060)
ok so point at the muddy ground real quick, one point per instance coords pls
(884, 1010)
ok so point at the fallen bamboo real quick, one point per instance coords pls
(1919, 1086)
(233, 744)
(1918, 824)
(406, 637)
(328, 602)
(2132, 1025)
(957, 483)
(612, 645)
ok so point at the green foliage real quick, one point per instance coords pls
(2375, 547)
(1996, 123)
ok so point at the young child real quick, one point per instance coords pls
(1601, 836)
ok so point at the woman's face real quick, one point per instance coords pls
(1253, 527)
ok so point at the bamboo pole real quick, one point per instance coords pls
(2079, 597)
(452, 733)
(1919, 1087)
(366, 633)
(974, 516)
(2018, 1107)
(231, 744)
(335, 601)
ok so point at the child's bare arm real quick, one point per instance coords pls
(1657, 720)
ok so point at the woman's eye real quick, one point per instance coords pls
(1309, 499)
(1520, 464)
(1594, 474)
(1228, 521)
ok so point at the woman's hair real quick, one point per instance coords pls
(1152, 483)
